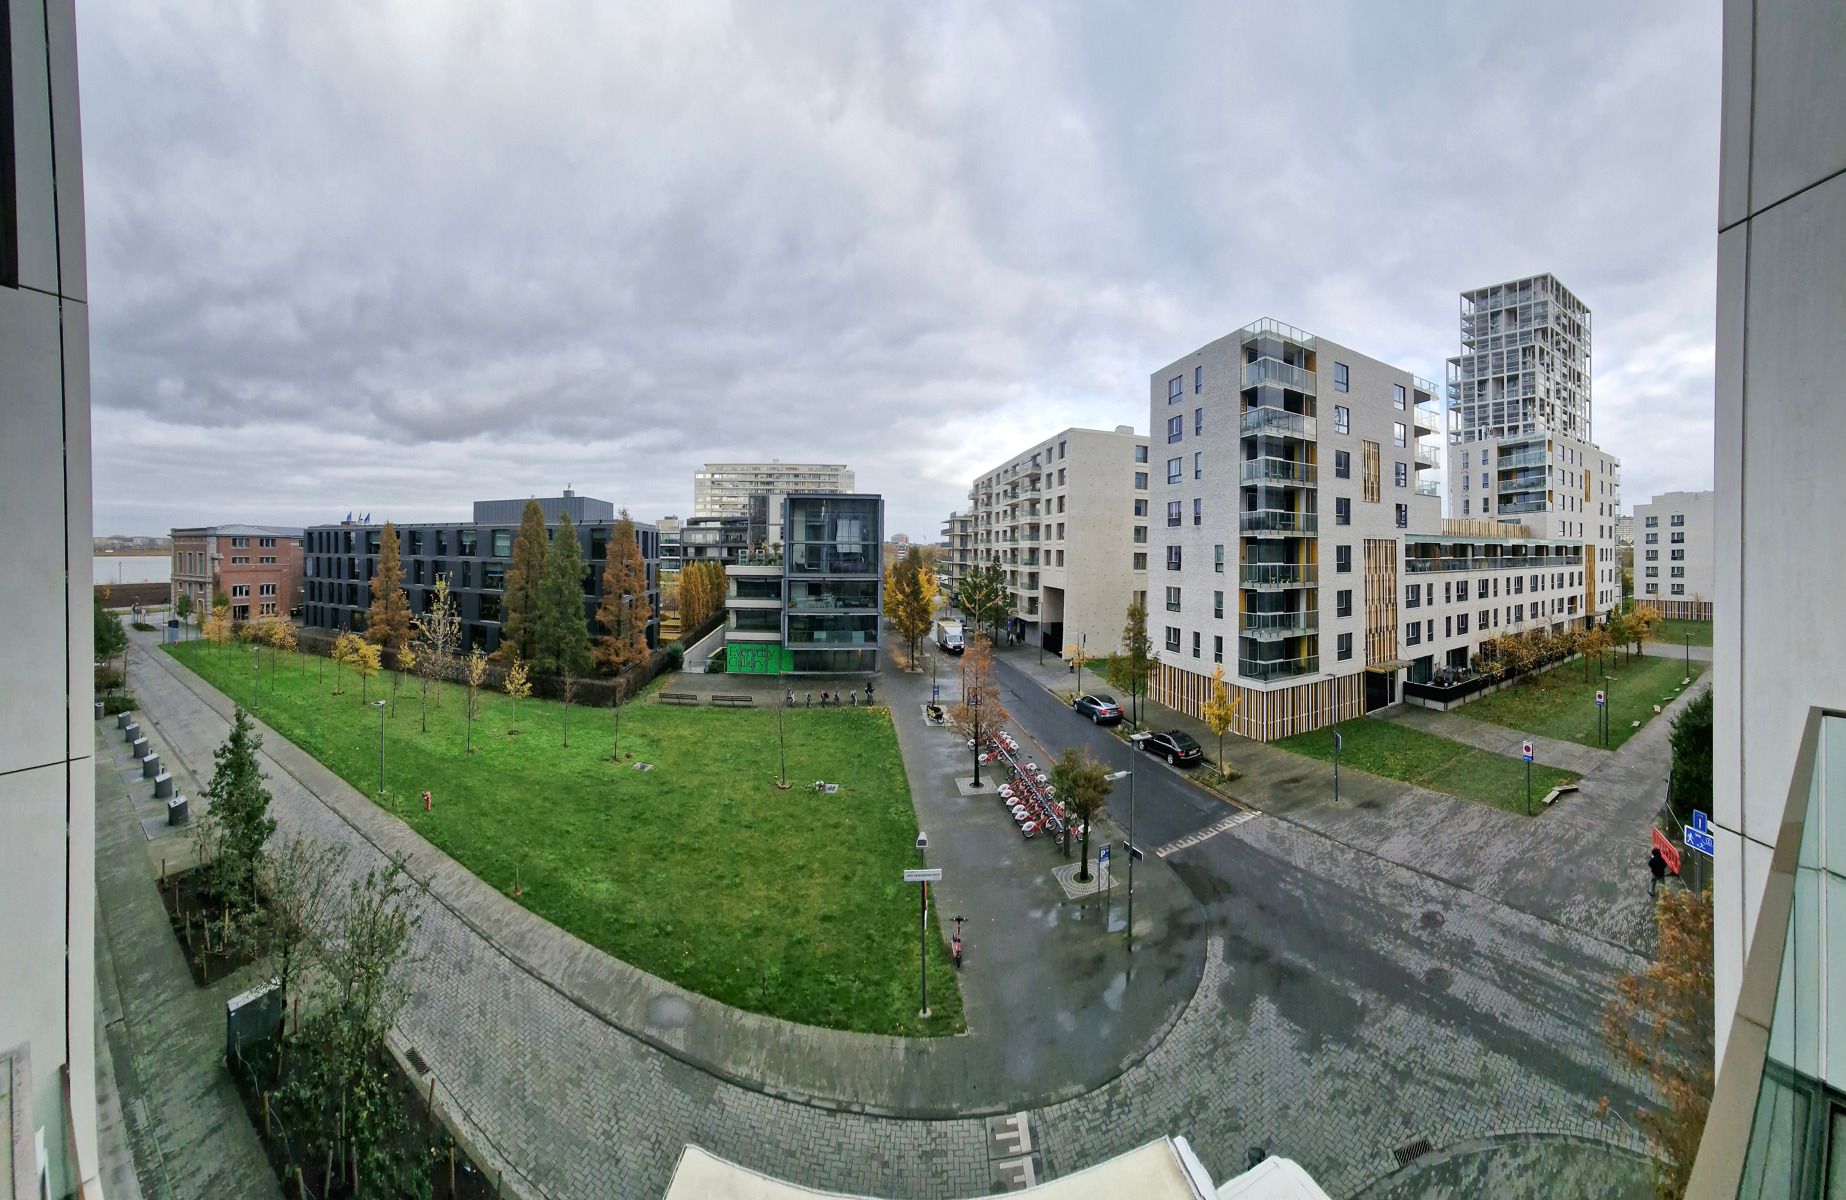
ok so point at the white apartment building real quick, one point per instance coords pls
(1286, 478)
(1673, 554)
(1068, 520)
(1778, 1116)
(1520, 445)
(724, 489)
(48, 1142)
(957, 550)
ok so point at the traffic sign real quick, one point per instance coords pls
(1699, 835)
(932, 875)
(1526, 750)
(1134, 851)
(935, 693)
(1601, 698)
(1339, 743)
(1102, 858)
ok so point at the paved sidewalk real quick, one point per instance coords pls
(1498, 739)
(1581, 863)
(164, 1034)
(1465, 1022)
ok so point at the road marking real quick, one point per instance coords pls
(1210, 831)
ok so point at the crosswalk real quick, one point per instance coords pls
(1210, 831)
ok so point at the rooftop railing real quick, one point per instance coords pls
(1281, 329)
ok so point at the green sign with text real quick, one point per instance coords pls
(758, 658)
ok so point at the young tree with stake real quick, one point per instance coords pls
(438, 633)
(474, 671)
(517, 684)
(1219, 712)
(979, 715)
(1134, 666)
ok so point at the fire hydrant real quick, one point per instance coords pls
(426, 800)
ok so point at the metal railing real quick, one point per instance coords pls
(1264, 669)
(1280, 522)
(1423, 566)
(1278, 575)
(1432, 488)
(1281, 329)
(1428, 456)
(1277, 625)
(1278, 470)
(1277, 421)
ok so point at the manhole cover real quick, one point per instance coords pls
(1439, 978)
(417, 1062)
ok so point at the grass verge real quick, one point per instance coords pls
(1561, 704)
(1412, 756)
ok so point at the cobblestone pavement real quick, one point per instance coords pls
(1347, 1006)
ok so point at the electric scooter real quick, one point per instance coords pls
(955, 946)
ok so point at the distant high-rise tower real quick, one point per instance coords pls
(1520, 451)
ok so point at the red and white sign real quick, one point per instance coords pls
(1526, 749)
(1601, 697)
(1668, 851)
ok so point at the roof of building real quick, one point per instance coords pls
(293, 531)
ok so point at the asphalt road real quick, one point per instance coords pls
(1166, 805)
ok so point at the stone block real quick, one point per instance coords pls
(177, 812)
(124, 720)
(150, 767)
(163, 786)
(140, 748)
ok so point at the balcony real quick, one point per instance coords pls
(1278, 470)
(1432, 488)
(1264, 670)
(1428, 456)
(1270, 626)
(1264, 576)
(1279, 329)
(1278, 523)
(1277, 421)
(1521, 458)
(1275, 371)
(1522, 506)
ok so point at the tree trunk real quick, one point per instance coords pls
(1083, 868)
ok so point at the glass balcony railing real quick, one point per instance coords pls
(1520, 458)
(1268, 626)
(1265, 669)
(1278, 470)
(1428, 456)
(1414, 565)
(1281, 374)
(1278, 522)
(1432, 488)
(1278, 575)
(1278, 421)
(1279, 329)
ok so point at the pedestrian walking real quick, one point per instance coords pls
(1657, 869)
(810, 703)
(868, 691)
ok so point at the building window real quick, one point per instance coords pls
(1413, 634)
(240, 591)
(1198, 511)
(1397, 396)
(1677, 572)
(1676, 555)
(1195, 643)
(1173, 638)
(1217, 649)
(1678, 589)
(1176, 387)
(1198, 421)
(1401, 474)
(1140, 507)
(1403, 516)
(1345, 642)
(1342, 464)
(1342, 510)
(1340, 378)
(1063, 450)
(1480, 589)
(1172, 599)
(1342, 418)
(1678, 539)
(1413, 596)
(1653, 572)
(1399, 435)
(1461, 622)
(1678, 519)
(1653, 556)
(1342, 558)
(1218, 559)
(265, 589)
(240, 543)
(1140, 453)
(1342, 603)
(1139, 561)
(1217, 605)
(1173, 517)
(1464, 504)
(1173, 558)
(266, 560)
(1060, 476)
(1140, 481)
(1198, 464)
(1198, 379)
(1176, 428)
(1174, 470)
(1653, 522)
(240, 560)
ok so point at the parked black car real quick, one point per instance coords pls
(1099, 708)
(1177, 748)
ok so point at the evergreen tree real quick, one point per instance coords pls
(239, 808)
(111, 639)
(625, 609)
(563, 637)
(519, 607)
(387, 625)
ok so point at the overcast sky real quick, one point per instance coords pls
(399, 257)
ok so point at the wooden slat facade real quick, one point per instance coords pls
(1264, 715)
(1380, 600)
(1369, 463)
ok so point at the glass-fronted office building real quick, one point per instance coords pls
(811, 605)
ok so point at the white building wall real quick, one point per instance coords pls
(47, 787)
(724, 489)
(1689, 517)
(1779, 429)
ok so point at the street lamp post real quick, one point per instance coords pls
(1134, 852)
(380, 706)
(923, 930)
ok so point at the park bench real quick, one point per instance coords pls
(678, 698)
(721, 701)
(1559, 792)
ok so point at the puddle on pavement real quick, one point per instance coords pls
(1112, 995)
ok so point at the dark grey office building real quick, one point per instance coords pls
(339, 561)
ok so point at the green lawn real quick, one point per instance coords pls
(786, 903)
(1674, 633)
(1399, 752)
(1559, 703)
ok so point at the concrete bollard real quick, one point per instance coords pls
(163, 786)
(150, 767)
(124, 719)
(140, 748)
(132, 732)
(177, 813)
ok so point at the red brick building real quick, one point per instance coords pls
(256, 567)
